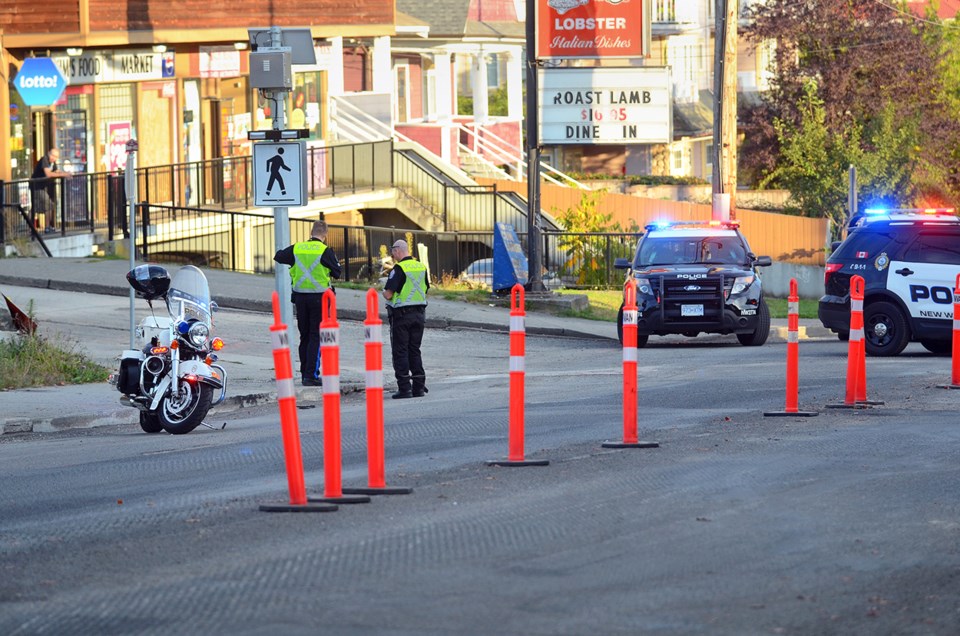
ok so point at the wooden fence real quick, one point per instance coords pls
(783, 237)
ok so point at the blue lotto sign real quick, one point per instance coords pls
(39, 82)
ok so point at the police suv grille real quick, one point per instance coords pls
(709, 292)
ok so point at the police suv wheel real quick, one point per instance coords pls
(760, 334)
(885, 329)
(938, 347)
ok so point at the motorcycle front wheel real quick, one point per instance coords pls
(183, 412)
(150, 422)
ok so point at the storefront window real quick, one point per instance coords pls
(21, 147)
(305, 104)
(117, 124)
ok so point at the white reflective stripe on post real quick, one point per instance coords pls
(373, 333)
(856, 335)
(331, 384)
(329, 337)
(630, 316)
(516, 363)
(629, 354)
(793, 336)
(279, 339)
(285, 388)
(516, 323)
(793, 307)
(375, 379)
(856, 305)
(956, 325)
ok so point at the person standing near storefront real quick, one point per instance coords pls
(312, 266)
(406, 294)
(43, 186)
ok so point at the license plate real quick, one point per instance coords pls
(691, 310)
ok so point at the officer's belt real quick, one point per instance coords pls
(408, 309)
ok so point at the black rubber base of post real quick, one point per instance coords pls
(630, 445)
(948, 386)
(858, 405)
(871, 402)
(789, 414)
(344, 499)
(522, 462)
(386, 490)
(307, 507)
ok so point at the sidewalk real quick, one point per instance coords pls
(57, 408)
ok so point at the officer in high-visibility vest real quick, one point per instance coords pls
(312, 266)
(406, 294)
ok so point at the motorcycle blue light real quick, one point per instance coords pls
(183, 327)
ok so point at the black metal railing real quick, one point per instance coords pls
(244, 242)
(87, 202)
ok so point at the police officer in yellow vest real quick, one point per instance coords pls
(406, 294)
(312, 266)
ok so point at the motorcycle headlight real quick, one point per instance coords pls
(198, 334)
(644, 287)
(741, 284)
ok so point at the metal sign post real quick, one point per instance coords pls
(131, 186)
(534, 275)
(281, 215)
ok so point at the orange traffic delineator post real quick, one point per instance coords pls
(630, 373)
(373, 346)
(287, 401)
(330, 374)
(793, 358)
(955, 372)
(517, 374)
(855, 397)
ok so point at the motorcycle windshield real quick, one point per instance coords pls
(189, 295)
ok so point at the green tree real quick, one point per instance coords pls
(814, 159)
(886, 80)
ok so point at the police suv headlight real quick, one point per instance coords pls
(741, 284)
(198, 334)
(644, 287)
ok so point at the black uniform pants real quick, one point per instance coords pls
(406, 334)
(308, 310)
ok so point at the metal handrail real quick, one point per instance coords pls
(516, 157)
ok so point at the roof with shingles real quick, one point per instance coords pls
(447, 18)
(456, 19)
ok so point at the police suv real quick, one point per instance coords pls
(696, 277)
(909, 260)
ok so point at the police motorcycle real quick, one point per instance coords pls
(173, 380)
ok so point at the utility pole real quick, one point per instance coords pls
(724, 155)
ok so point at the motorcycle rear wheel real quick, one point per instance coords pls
(181, 413)
(150, 422)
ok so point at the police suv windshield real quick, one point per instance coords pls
(681, 248)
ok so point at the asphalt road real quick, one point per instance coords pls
(844, 523)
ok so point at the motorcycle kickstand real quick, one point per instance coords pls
(213, 428)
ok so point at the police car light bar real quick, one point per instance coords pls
(665, 225)
(277, 135)
(877, 211)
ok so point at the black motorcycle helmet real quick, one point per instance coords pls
(149, 281)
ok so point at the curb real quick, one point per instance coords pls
(127, 415)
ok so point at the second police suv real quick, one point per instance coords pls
(697, 277)
(909, 260)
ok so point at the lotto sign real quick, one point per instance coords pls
(592, 28)
(39, 81)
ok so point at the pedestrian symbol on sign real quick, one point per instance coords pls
(274, 165)
(279, 174)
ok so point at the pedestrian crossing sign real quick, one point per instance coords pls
(280, 174)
